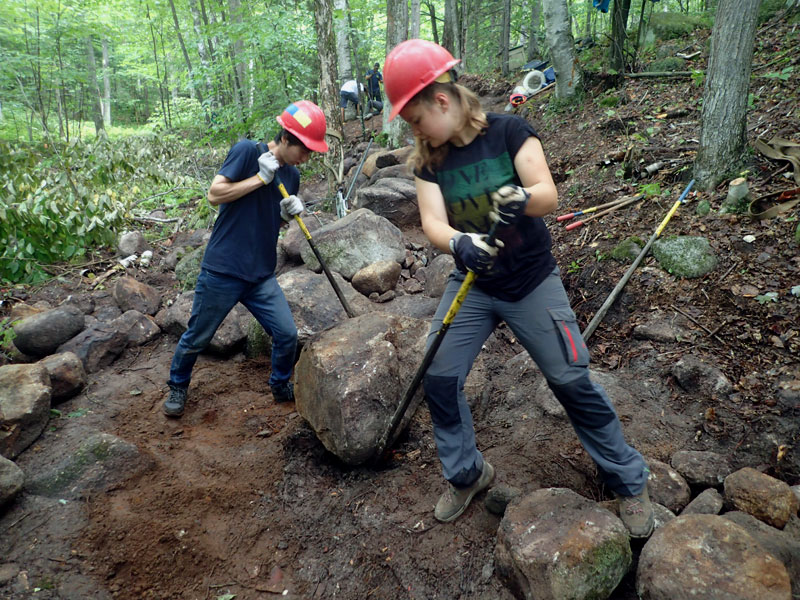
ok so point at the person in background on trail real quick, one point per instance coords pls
(239, 261)
(472, 171)
(349, 93)
(374, 80)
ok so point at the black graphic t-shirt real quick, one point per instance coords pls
(466, 178)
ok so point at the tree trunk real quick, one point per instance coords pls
(451, 28)
(616, 56)
(562, 49)
(533, 35)
(413, 31)
(723, 136)
(201, 46)
(396, 32)
(328, 47)
(340, 26)
(235, 17)
(432, 14)
(94, 91)
(505, 37)
(106, 86)
(192, 91)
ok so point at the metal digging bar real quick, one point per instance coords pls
(306, 233)
(615, 292)
(357, 173)
(455, 305)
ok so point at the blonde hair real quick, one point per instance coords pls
(425, 156)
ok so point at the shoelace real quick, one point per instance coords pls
(634, 507)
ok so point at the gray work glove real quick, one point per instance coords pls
(267, 165)
(290, 207)
(472, 253)
(509, 204)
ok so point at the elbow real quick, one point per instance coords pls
(213, 199)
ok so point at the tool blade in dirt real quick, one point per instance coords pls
(325, 268)
(615, 292)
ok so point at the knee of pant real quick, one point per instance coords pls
(586, 403)
(441, 394)
(285, 336)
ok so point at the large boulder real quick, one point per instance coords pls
(394, 198)
(709, 557)
(349, 396)
(355, 241)
(554, 544)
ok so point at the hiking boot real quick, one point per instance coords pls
(282, 392)
(455, 500)
(173, 405)
(636, 513)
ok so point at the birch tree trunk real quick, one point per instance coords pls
(413, 28)
(451, 28)
(340, 26)
(106, 86)
(201, 45)
(329, 90)
(396, 32)
(94, 91)
(723, 136)
(562, 49)
(505, 37)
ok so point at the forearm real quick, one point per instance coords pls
(223, 190)
(543, 200)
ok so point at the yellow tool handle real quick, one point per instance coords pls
(297, 218)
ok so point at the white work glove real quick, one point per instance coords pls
(509, 203)
(472, 253)
(290, 207)
(267, 165)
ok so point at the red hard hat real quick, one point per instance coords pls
(306, 121)
(412, 66)
(517, 99)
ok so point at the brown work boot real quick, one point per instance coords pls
(455, 500)
(636, 513)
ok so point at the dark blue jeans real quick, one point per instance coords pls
(214, 297)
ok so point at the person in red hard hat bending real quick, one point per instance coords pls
(483, 186)
(239, 262)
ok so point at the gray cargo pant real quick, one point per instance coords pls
(545, 325)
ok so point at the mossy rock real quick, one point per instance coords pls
(671, 63)
(627, 250)
(188, 268)
(685, 256)
(703, 208)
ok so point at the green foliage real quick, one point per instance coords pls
(768, 297)
(57, 204)
(698, 77)
(608, 100)
(784, 74)
(650, 189)
(768, 8)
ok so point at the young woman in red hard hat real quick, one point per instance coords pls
(239, 262)
(474, 170)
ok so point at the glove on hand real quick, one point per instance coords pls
(509, 204)
(472, 253)
(267, 165)
(291, 206)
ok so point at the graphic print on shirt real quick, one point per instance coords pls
(466, 191)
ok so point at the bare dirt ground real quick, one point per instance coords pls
(242, 499)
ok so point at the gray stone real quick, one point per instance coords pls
(134, 295)
(701, 468)
(40, 334)
(766, 498)
(696, 376)
(708, 502)
(667, 487)
(685, 256)
(11, 481)
(437, 274)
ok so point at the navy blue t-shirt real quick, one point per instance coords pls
(466, 177)
(246, 231)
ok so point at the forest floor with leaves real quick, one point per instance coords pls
(243, 501)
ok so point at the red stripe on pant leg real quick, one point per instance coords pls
(571, 343)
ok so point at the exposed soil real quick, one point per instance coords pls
(243, 499)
